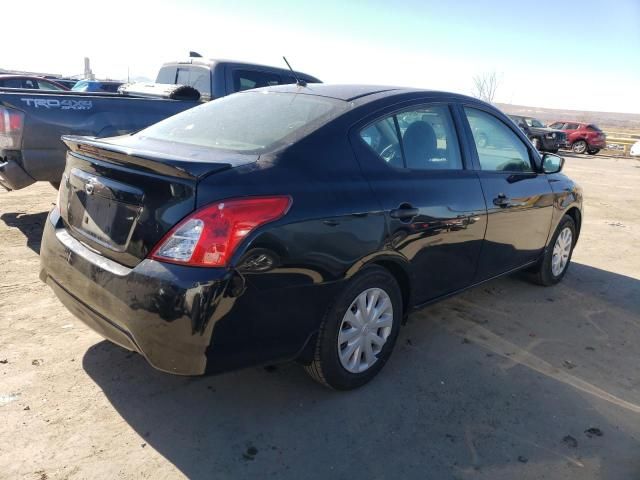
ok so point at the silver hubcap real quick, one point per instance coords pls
(364, 330)
(561, 251)
(579, 147)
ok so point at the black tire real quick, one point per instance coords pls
(542, 273)
(593, 151)
(553, 150)
(55, 185)
(579, 146)
(326, 367)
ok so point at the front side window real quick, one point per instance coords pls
(499, 148)
(254, 122)
(196, 77)
(248, 79)
(534, 122)
(418, 139)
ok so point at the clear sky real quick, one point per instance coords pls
(559, 54)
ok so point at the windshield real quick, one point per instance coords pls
(534, 122)
(248, 122)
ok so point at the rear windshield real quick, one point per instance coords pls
(253, 122)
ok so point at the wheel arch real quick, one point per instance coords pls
(576, 215)
(401, 275)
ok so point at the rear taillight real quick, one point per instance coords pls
(209, 236)
(11, 127)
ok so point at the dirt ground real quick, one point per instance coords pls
(507, 381)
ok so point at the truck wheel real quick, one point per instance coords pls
(553, 150)
(55, 185)
(579, 147)
(593, 151)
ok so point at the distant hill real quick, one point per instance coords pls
(605, 120)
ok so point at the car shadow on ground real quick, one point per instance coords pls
(30, 224)
(504, 381)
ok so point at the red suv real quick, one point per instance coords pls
(582, 137)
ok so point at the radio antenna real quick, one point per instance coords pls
(299, 81)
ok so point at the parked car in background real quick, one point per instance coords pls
(635, 149)
(30, 145)
(582, 137)
(545, 139)
(96, 86)
(30, 82)
(300, 223)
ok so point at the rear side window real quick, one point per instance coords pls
(253, 122)
(571, 126)
(196, 77)
(593, 127)
(12, 83)
(167, 75)
(417, 139)
(499, 148)
(248, 79)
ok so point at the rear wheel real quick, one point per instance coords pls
(557, 257)
(579, 147)
(593, 151)
(55, 185)
(359, 331)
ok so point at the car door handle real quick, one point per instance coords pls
(501, 201)
(404, 213)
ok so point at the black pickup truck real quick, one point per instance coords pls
(32, 122)
(545, 139)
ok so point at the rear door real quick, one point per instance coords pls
(571, 130)
(432, 199)
(519, 199)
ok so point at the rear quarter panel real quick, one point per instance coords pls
(333, 228)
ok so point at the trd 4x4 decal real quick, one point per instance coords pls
(61, 104)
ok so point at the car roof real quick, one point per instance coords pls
(17, 75)
(363, 93)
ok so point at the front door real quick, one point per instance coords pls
(519, 199)
(433, 202)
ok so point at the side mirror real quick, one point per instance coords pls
(552, 163)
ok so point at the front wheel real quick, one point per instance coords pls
(359, 331)
(593, 151)
(579, 147)
(557, 257)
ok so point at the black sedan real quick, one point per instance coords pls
(300, 223)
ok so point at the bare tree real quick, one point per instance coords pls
(485, 86)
